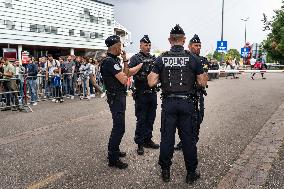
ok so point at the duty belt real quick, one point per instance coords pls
(180, 96)
(146, 92)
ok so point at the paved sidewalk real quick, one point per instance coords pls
(276, 174)
(252, 168)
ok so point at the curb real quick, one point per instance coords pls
(252, 168)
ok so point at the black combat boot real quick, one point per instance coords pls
(192, 176)
(140, 150)
(122, 154)
(166, 175)
(151, 144)
(118, 164)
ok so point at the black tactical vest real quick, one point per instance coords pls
(140, 79)
(148, 63)
(177, 75)
(112, 84)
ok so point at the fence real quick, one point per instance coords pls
(42, 87)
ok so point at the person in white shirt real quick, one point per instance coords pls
(252, 62)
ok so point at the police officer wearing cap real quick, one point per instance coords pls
(145, 97)
(195, 46)
(115, 79)
(178, 70)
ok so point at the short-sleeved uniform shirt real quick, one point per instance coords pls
(195, 63)
(110, 67)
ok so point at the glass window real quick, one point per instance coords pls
(86, 11)
(92, 35)
(47, 29)
(92, 19)
(10, 25)
(8, 3)
(71, 32)
(82, 33)
(108, 22)
(53, 30)
(33, 27)
(40, 29)
(96, 20)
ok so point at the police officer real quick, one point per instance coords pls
(115, 80)
(178, 70)
(195, 47)
(145, 97)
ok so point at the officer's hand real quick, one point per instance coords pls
(123, 55)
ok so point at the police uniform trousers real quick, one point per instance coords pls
(178, 113)
(145, 112)
(200, 116)
(117, 105)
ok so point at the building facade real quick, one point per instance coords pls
(56, 26)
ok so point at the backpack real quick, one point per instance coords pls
(57, 81)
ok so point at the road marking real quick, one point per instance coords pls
(52, 127)
(46, 181)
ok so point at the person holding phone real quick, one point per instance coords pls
(115, 79)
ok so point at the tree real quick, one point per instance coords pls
(209, 56)
(274, 44)
(233, 53)
(218, 56)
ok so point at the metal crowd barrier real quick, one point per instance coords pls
(245, 71)
(44, 89)
(11, 96)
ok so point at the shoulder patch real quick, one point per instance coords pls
(117, 67)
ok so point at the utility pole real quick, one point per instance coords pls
(245, 20)
(222, 29)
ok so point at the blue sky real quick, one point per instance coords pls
(203, 17)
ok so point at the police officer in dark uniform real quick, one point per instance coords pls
(194, 47)
(178, 70)
(115, 80)
(145, 97)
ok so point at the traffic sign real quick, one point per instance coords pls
(222, 46)
(244, 51)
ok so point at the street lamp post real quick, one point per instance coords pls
(222, 29)
(245, 20)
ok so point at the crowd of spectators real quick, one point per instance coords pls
(47, 78)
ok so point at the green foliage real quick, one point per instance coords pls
(218, 56)
(230, 55)
(233, 53)
(209, 56)
(274, 44)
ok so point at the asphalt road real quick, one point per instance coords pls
(65, 145)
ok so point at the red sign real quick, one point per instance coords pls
(25, 55)
(10, 54)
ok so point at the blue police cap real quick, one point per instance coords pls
(177, 30)
(145, 39)
(195, 39)
(111, 40)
